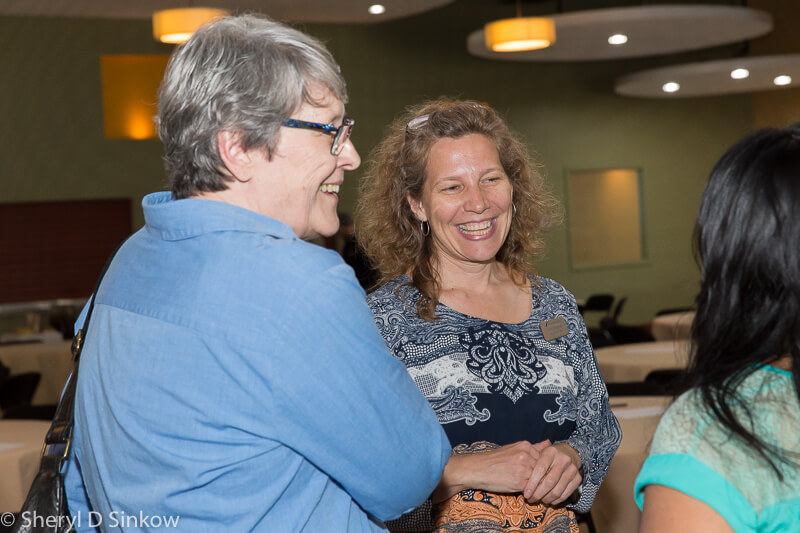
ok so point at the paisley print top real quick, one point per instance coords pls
(502, 383)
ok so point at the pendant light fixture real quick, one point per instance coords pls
(520, 33)
(177, 25)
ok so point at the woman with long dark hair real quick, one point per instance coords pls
(726, 455)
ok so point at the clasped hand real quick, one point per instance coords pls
(542, 472)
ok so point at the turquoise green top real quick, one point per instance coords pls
(691, 452)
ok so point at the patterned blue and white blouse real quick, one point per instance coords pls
(502, 383)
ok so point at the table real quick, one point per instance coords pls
(614, 510)
(632, 362)
(672, 326)
(20, 448)
(53, 360)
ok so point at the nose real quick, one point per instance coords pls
(476, 200)
(349, 159)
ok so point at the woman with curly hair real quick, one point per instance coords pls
(452, 212)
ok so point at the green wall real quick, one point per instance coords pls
(52, 145)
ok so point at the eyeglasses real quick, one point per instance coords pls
(340, 133)
(415, 123)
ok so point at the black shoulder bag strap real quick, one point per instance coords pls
(47, 495)
(59, 437)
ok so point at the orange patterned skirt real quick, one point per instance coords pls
(477, 511)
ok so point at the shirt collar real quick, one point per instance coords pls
(182, 219)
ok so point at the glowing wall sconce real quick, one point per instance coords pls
(177, 25)
(130, 94)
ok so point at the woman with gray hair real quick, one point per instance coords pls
(232, 377)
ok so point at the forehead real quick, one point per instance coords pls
(470, 152)
(323, 102)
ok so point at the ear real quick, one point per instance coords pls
(234, 157)
(416, 207)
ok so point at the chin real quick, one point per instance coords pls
(328, 231)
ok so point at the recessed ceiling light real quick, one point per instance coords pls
(670, 87)
(376, 9)
(618, 38)
(740, 73)
(782, 80)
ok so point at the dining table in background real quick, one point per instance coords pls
(53, 360)
(632, 362)
(20, 449)
(614, 510)
(672, 326)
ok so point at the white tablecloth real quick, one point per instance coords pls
(673, 326)
(20, 448)
(632, 362)
(614, 510)
(53, 360)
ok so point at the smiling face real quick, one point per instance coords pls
(300, 185)
(466, 199)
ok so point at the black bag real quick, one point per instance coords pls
(45, 509)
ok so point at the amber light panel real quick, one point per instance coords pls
(177, 25)
(520, 34)
(130, 93)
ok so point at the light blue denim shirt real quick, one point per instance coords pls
(233, 380)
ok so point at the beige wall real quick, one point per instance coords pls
(52, 144)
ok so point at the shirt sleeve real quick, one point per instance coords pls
(597, 434)
(694, 478)
(333, 372)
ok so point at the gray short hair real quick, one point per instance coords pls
(244, 74)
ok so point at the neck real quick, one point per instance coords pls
(469, 276)
(784, 363)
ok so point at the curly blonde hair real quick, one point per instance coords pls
(391, 234)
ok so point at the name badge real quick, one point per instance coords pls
(554, 328)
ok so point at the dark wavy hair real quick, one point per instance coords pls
(747, 244)
(389, 231)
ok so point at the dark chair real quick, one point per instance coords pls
(600, 337)
(669, 380)
(629, 334)
(620, 333)
(657, 383)
(674, 310)
(631, 388)
(618, 309)
(18, 390)
(612, 319)
(31, 412)
(597, 302)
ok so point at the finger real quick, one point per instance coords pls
(559, 466)
(539, 446)
(564, 476)
(547, 484)
(571, 488)
(564, 488)
(538, 473)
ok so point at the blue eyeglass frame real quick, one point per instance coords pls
(340, 133)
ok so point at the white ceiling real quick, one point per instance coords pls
(712, 77)
(311, 11)
(580, 35)
(651, 30)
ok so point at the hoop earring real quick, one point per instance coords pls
(425, 228)
(514, 212)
